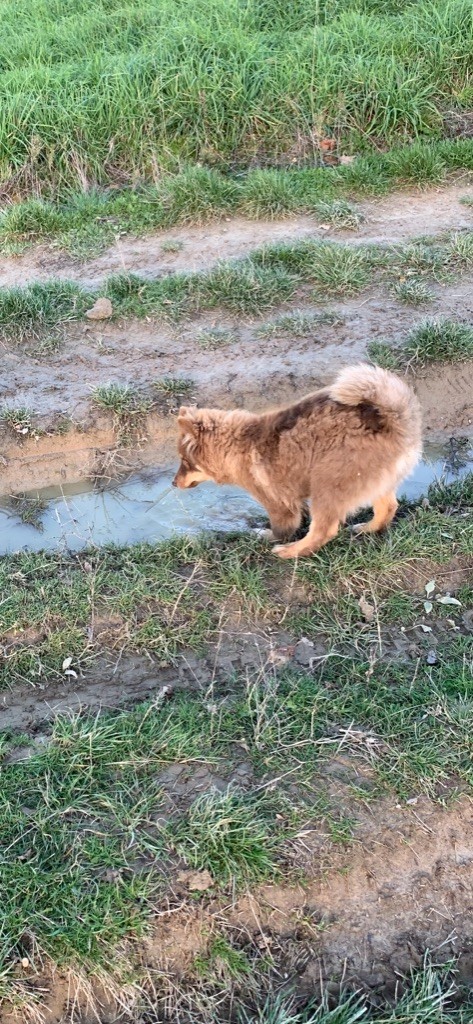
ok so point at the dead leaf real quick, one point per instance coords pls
(101, 310)
(429, 587)
(66, 664)
(347, 160)
(428, 606)
(449, 600)
(367, 610)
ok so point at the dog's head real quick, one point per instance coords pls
(194, 427)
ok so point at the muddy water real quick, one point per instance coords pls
(147, 508)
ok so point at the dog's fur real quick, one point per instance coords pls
(344, 447)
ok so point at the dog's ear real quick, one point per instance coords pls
(187, 420)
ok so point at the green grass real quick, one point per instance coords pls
(426, 999)
(145, 592)
(340, 214)
(85, 223)
(173, 386)
(215, 337)
(298, 323)
(267, 278)
(35, 310)
(121, 399)
(413, 293)
(228, 835)
(18, 420)
(92, 835)
(433, 341)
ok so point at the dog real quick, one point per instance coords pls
(344, 447)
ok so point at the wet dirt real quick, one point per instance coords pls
(366, 917)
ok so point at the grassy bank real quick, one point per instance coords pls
(93, 838)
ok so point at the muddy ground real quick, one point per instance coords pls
(362, 916)
(250, 371)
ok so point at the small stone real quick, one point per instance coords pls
(196, 881)
(101, 310)
(304, 651)
(431, 658)
(25, 962)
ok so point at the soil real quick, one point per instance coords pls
(363, 919)
(367, 914)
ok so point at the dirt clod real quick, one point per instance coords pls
(101, 310)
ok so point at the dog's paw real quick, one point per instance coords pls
(285, 551)
(359, 528)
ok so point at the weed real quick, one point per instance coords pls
(340, 213)
(215, 337)
(298, 323)
(412, 292)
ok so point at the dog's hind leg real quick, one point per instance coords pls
(384, 510)
(321, 530)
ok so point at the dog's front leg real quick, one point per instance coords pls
(284, 521)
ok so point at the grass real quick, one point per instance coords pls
(215, 337)
(228, 835)
(18, 420)
(173, 386)
(433, 341)
(340, 214)
(37, 309)
(413, 293)
(127, 406)
(121, 399)
(298, 323)
(265, 279)
(146, 595)
(120, 102)
(93, 835)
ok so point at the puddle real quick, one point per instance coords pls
(147, 508)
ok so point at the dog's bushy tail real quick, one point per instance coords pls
(393, 397)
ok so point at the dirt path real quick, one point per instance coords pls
(398, 217)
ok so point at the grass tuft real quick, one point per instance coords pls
(228, 835)
(441, 341)
(413, 293)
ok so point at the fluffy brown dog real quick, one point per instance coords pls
(344, 447)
